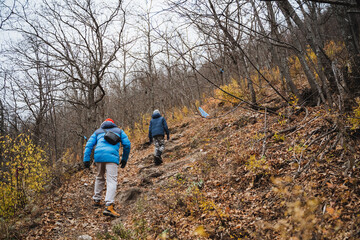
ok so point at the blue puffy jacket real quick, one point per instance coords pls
(158, 126)
(104, 151)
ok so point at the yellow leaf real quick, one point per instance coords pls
(164, 234)
(200, 231)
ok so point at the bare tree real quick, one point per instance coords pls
(120, 103)
(80, 40)
(9, 9)
(148, 54)
(279, 54)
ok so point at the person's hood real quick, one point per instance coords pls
(108, 124)
(156, 115)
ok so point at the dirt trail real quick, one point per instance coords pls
(69, 214)
(213, 179)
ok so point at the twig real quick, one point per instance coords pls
(316, 155)
(312, 142)
(290, 129)
(322, 136)
(338, 137)
(301, 154)
(301, 127)
(265, 131)
(306, 114)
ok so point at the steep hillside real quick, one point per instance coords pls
(240, 174)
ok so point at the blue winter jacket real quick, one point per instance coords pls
(158, 126)
(104, 151)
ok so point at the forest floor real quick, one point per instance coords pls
(240, 174)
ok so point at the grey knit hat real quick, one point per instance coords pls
(156, 111)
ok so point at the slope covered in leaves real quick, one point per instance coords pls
(240, 174)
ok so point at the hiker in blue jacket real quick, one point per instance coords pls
(106, 157)
(157, 129)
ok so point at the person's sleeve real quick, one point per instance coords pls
(166, 128)
(150, 134)
(89, 146)
(125, 142)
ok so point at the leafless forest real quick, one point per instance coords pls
(69, 64)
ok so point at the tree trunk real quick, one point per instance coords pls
(324, 65)
(279, 54)
(350, 31)
(249, 82)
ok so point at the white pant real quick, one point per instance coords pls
(111, 170)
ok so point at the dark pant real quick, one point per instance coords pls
(159, 143)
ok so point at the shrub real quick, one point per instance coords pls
(122, 232)
(355, 119)
(232, 88)
(23, 172)
(299, 221)
(257, 165)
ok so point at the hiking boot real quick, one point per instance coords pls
(109, 211)
(158, 160)
(97, 203)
